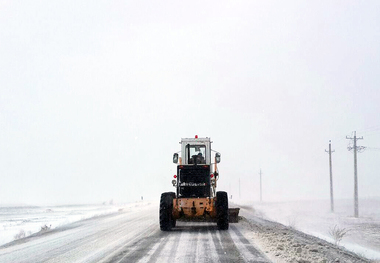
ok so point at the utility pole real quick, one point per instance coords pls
(355, 148)
(261, 193)
(331, 180)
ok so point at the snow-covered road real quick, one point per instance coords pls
(133, 235)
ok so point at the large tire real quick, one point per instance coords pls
(166, 211)
(222, 210)
(174, 221)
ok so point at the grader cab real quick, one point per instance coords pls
(195, 182)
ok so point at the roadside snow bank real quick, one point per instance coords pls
(284, 244)
(20, 222)
(315, 218)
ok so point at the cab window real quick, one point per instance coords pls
(196, 154)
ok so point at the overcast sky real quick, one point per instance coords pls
(96, 95)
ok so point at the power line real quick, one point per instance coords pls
(370, 129)
(372, 148)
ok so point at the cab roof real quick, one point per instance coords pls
(194, 140)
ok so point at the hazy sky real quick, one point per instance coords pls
(96, 95)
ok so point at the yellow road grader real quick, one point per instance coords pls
(195, 183)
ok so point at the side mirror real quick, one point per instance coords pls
(175, 158)
(217, 157)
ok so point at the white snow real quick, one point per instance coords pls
(133, 234)
(315, 218)
(24, 221)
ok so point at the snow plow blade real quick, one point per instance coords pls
(233, 214)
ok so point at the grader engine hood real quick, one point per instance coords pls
(193, 181)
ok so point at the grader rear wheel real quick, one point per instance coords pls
(222, 210)
(166, 211)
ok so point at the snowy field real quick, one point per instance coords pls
(315, 218)
(22, 221)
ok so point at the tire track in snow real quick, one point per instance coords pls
(64, 243)
(193, 243)
(147, 249)
(191, 252)
(133, 252)
(208, 253)
(256, 255)
(230, 247)
(157, 252)
(111, 232)
(197, 241)
(119, 250)
(118, 233)
(226, 248)
(167, 249)
(177, 239)
(204, 246)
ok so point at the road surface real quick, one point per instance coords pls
(133, 235)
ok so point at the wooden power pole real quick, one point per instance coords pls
(355, 148)
(331, 179)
